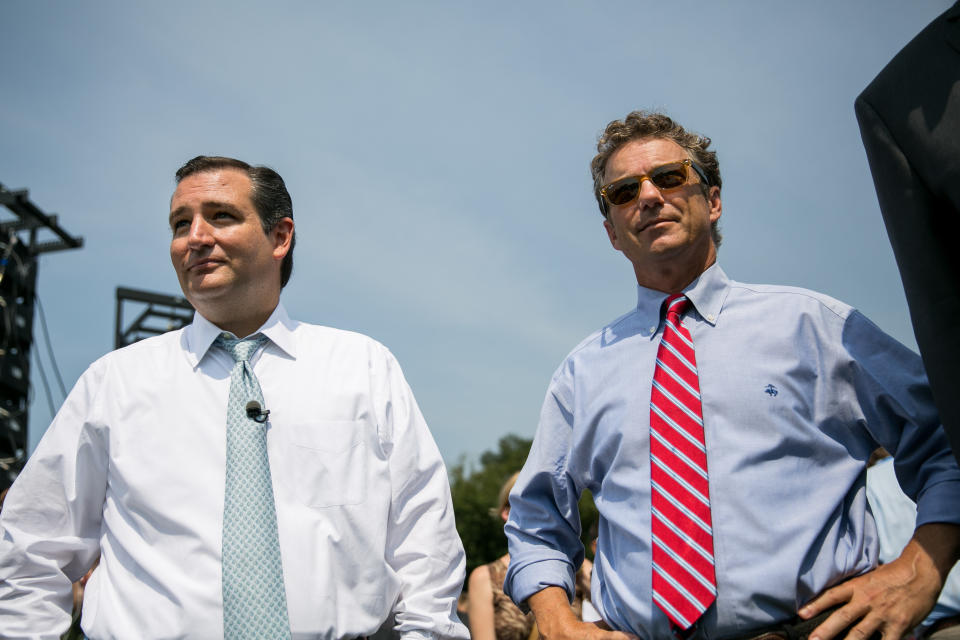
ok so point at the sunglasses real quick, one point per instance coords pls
(666, 178)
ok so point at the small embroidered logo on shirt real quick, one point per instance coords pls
(771, 390)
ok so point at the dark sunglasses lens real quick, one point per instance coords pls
(669, 177)
(623, 192)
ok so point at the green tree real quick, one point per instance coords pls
(475, 491)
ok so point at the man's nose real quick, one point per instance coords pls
(200, 232)
(649, 194)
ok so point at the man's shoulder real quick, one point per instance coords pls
(127, 364)
(147, 348)
(788, 299)
(605, 335)
(325, 333)
(322, 338)
(939, 40)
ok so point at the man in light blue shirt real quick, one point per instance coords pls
(797, 389)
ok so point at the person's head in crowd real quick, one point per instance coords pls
(502, 510)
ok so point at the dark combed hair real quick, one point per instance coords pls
(644, 124)
(268, 193)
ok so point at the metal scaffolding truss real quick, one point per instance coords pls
(20, 244)
(158, 313)
(30, 218)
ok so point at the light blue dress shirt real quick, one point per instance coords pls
(797, 390)
(894, 513)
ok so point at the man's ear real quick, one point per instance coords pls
(716, 205)
(282, 236)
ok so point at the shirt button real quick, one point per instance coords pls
(651, 329)
(711, 317)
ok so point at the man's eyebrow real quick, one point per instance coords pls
(208, 204)
(176, 212)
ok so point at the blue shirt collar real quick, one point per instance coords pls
(707, 294)
(199, 336)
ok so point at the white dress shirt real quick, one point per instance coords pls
(132, 468)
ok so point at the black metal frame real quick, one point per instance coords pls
(18, 282)
(32, 219)
(175, 310)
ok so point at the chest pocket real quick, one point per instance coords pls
(324, 463)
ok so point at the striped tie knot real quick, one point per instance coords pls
(676, 304)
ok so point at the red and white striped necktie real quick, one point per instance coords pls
(684, 581)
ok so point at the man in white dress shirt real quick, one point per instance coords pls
(133, 466)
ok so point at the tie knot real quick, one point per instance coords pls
(241, 350)
(677, 304)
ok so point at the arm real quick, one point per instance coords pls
(556, 621)
(50, 526)
(544, 525)
(898, 412)
(422, 542)
(895, 597)
(480, 605)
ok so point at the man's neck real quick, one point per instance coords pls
(242, 326)
(674, 272)
(669, 280)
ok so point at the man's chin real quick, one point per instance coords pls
(199, 294)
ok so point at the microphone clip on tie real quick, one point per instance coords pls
(256, 413)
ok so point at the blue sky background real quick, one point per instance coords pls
(437, 154)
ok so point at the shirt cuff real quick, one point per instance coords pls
(537, 576)
(938, 503)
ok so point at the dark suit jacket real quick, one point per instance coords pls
(910, 123)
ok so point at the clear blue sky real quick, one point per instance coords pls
(437, 154)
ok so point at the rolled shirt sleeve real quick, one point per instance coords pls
(544, 525)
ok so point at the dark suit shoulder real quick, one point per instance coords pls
(925, 63)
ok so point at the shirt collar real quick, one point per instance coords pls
(707, 294)
(199, 336)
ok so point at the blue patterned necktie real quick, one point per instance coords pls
(254, 600)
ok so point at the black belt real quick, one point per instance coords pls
(796, 628)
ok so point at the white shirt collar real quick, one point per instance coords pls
(200, 334)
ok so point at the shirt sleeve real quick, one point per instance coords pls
(50, 524)
(423, 547)
(543, 530)
(899, 412)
